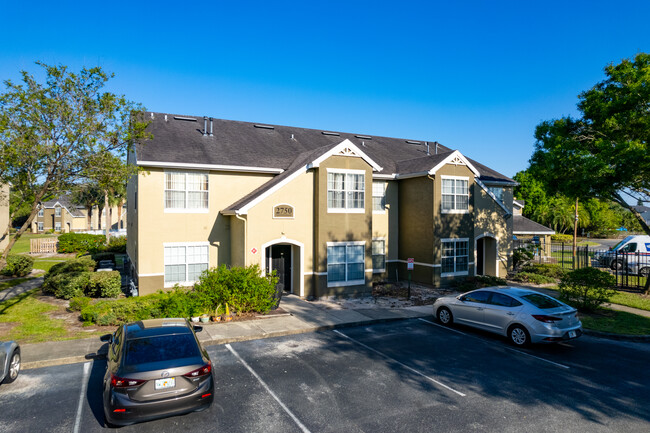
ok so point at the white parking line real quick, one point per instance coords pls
(266, 387)
(508, 348)
(82, 393)
(443, 327)
(400, 363)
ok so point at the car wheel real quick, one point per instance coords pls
(444, 316)
(617, 265)
(644, 272)
(14, 367)
(518, 335)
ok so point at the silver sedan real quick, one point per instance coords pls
(522, 315)
(9, 361)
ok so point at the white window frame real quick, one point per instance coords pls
(41, 212)
(57, 211)
(455, 257)
(186, 209)
(378, 270)
(381, 196)
(40, 226)
(347, 282)
(455, 194)
(187, 282)
(345, 191)
(57, 226)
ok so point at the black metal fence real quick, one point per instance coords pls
(630, 269)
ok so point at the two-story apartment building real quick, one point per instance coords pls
(329, 211)
(62, 215)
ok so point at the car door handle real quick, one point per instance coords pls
(510, 313)
(480, 309)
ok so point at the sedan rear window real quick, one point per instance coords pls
(542, 301)
(161, 348)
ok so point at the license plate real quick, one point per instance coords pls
(166, 383)
(572, 334)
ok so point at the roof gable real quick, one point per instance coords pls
(455, 158)
(345, 148)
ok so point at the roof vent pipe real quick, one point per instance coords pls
(205, 126)
(211, 127)
(426, 143)
(436, 147)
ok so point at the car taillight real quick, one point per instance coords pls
(547, 319)
(206, 369)
(121, 382)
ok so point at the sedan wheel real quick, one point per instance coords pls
(617, 265)
(644, 272)
(518, 336)
(444, 316)
(14, 367)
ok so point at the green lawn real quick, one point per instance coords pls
(616, 322)
(46, 264)
(33, 324)
(22, 244)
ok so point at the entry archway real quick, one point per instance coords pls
(286, 257)
(486, 253)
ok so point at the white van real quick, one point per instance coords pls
(632, 253)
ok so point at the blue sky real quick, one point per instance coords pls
(476, 76)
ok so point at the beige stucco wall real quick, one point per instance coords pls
(4, 215)
(386, 225)
(224, 188)
(416, 227)
(490, 221)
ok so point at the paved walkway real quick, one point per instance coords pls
(20, 288)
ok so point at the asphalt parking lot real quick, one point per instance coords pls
(411, 376)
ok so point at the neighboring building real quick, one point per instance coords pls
(524, 228)
(644, 211)
(61, 215)
(4, 216)
(330, 212)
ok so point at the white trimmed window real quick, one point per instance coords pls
(40, 226)
(41, 212)
(378, 196)
(455, 194)
(345, 263)
(346, 191)
(185, 263)
(57, 211)
(378, 255)
(57, 226)
(497, 191)
(455, 257)
(186, 191)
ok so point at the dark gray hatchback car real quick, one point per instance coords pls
(156, 368)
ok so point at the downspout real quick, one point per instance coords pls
(245, 234)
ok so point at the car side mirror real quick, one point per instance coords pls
(198, 328)
(107, 338)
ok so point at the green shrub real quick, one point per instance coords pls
(79, 303)
(116, 244)
(521, 256)
(562, 238)
(528, 277)
(81, 264)
(80, 243)
(18, 265)
(117, 311)
(587, 288)
(546, 269)
(472, 283)
(104, 285)
(67, 285)
(98, 257)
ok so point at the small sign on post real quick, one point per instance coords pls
(409, 266)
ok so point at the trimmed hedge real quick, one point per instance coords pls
(76, 278)
(18, 265)
(80, 243)
(559, 237)
(81, 264)
(546, 269)
(587, 288)
(528, 277)
(104, 285)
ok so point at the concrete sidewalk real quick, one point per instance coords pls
(301, 317)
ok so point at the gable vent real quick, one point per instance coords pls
(330, 133)
(264, 126)
(189, 119)
(413, 142)
(365, 137)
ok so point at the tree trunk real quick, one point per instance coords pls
(119, 213)
(108, 217)
(575, 235)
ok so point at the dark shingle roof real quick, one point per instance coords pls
(64, 201)
(521, 224)
(243, 144)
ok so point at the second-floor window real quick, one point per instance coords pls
(57, 211)
(186, 191)
(455, 194)
(346, 191)
(41, 212)
(497, 191)
(378, 196)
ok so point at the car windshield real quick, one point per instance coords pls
(542, 301)
(161, 348)
(618, 245)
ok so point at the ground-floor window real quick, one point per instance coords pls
(455, 257)
(185, 263)
(378, 255)
(57, 226)
(40, 226)
(345, 263)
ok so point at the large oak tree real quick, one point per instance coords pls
(55, 134)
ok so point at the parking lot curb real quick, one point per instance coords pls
(619, 337)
